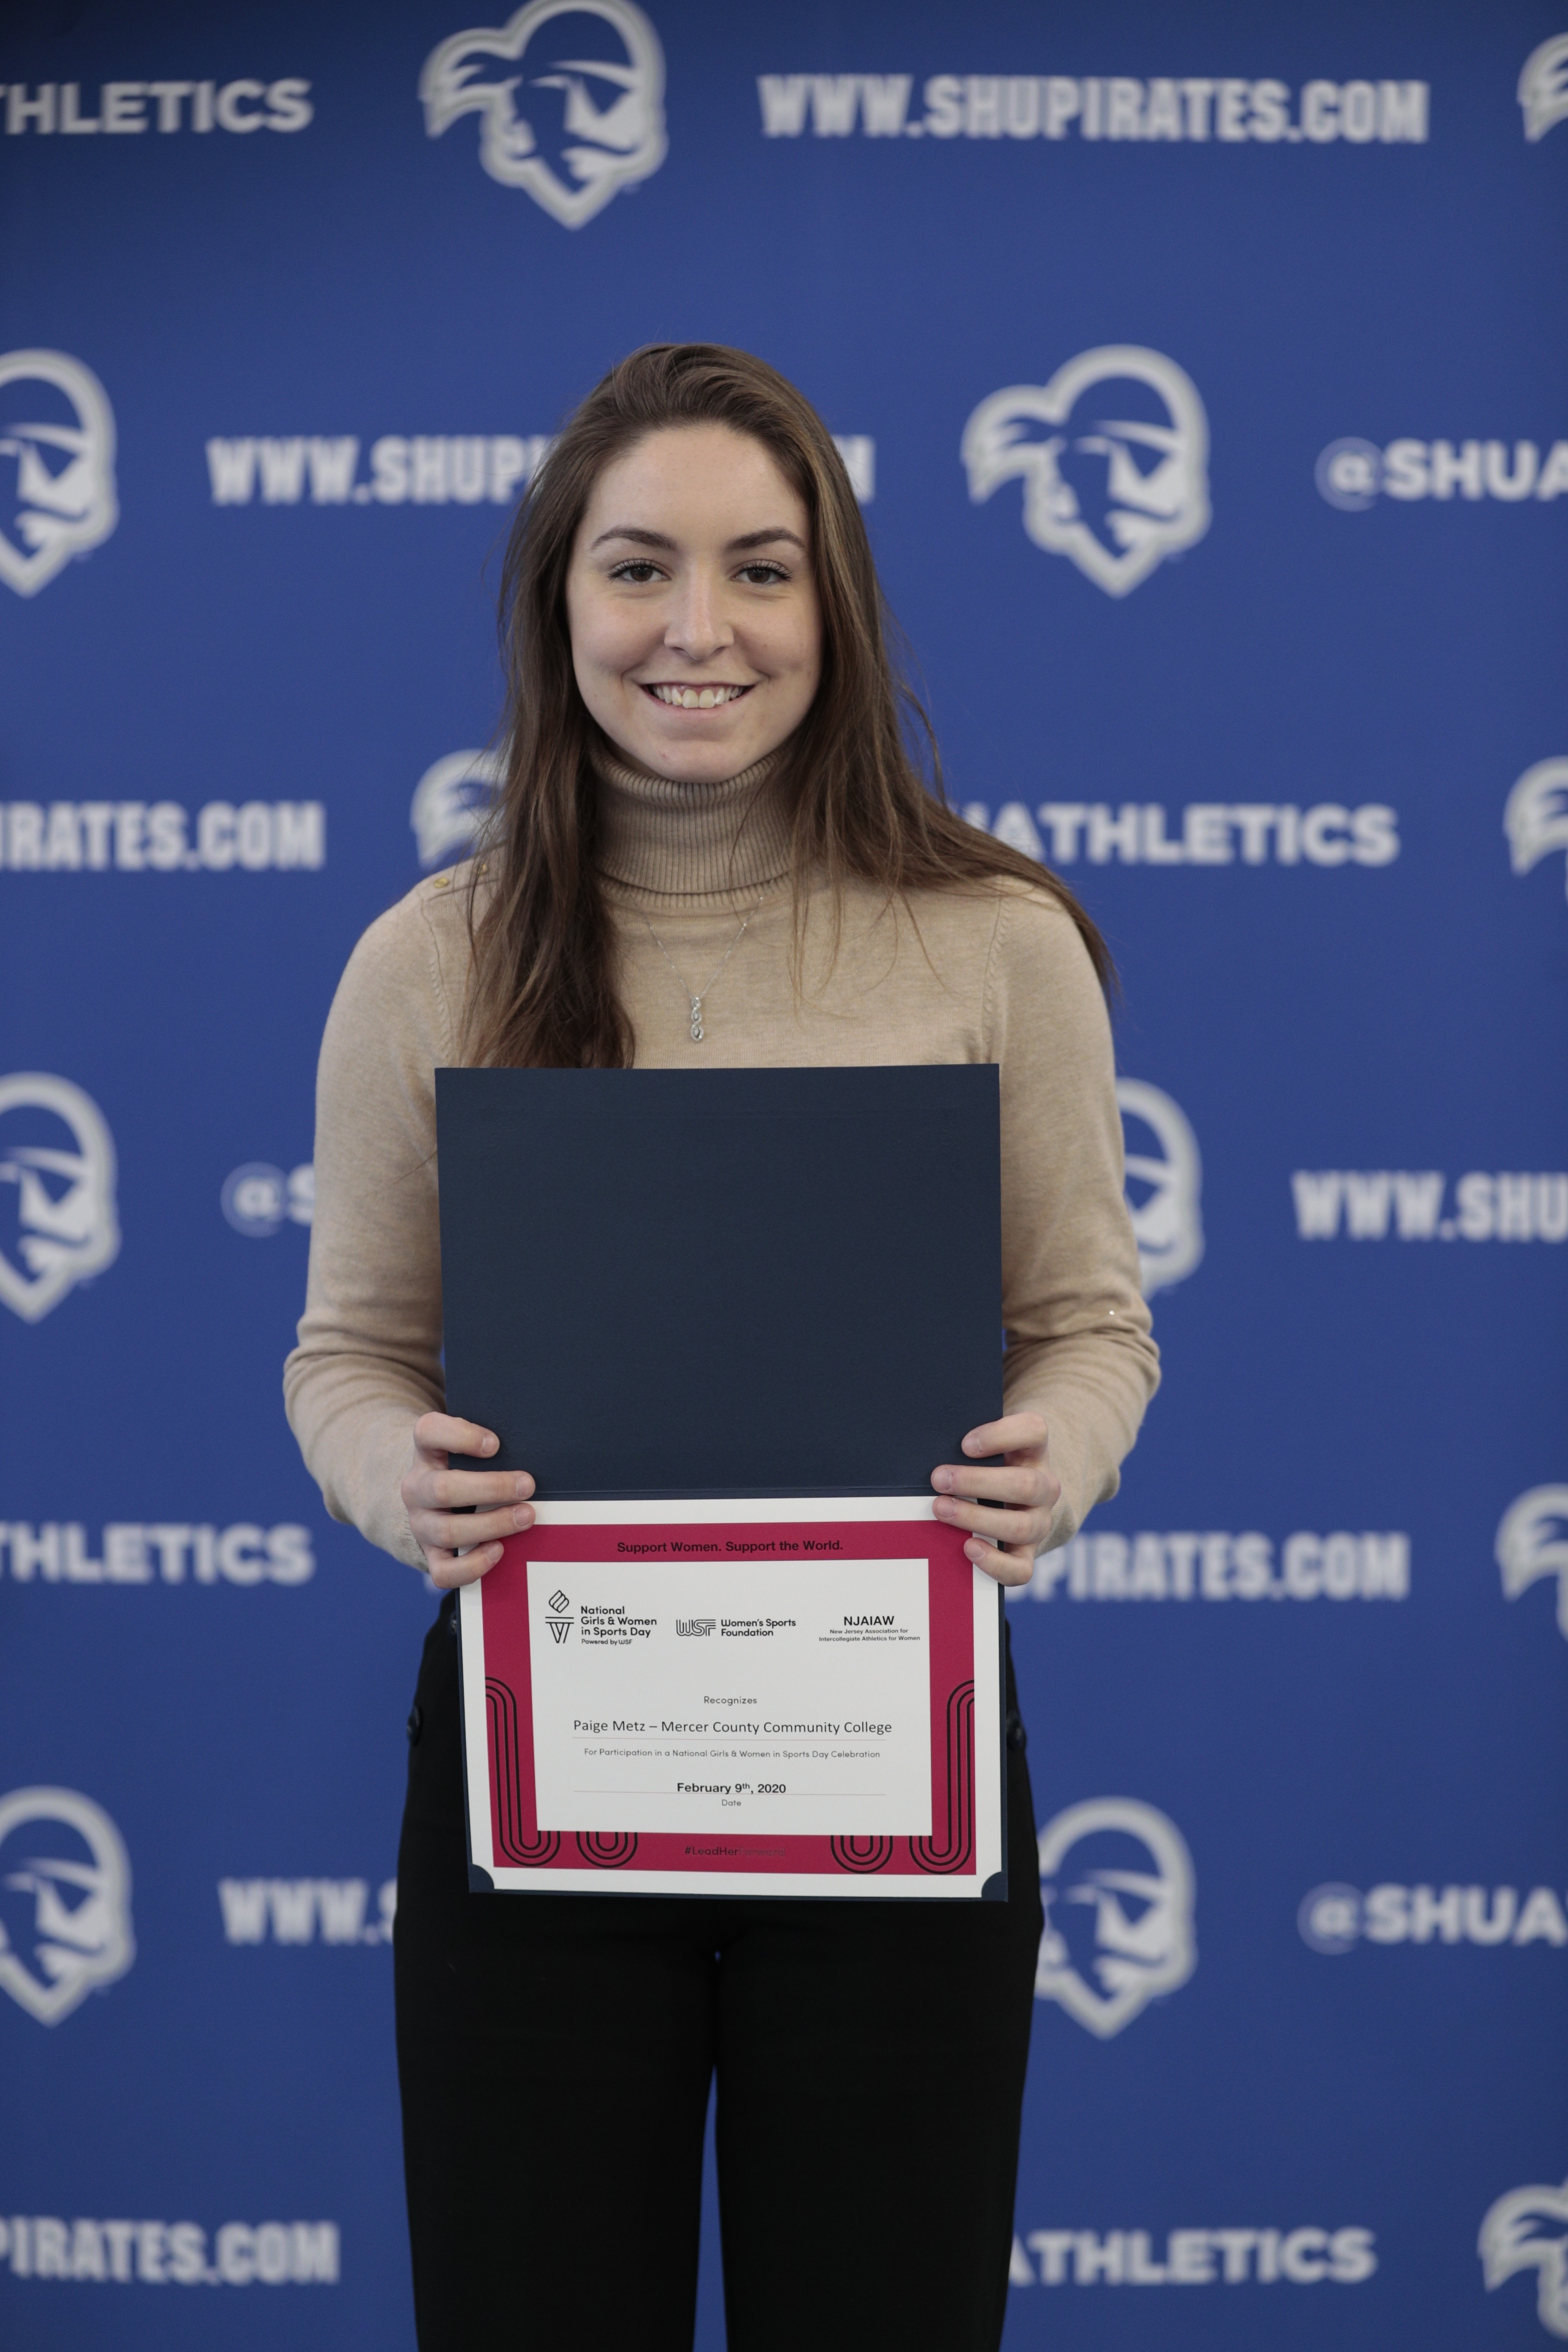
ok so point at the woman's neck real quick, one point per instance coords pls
(724, 843)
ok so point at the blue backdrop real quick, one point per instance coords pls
(1202, 372)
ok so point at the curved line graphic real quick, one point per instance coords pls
(862, 1854)
(954, 1849)
(607, 1849)
(511, 1842)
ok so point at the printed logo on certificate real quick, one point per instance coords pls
(673, 1699)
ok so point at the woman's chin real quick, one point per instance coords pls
(698, 759)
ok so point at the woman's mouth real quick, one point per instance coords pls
(695, 698)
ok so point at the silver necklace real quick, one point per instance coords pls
(695, 997)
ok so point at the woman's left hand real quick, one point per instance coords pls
(1003, 1542)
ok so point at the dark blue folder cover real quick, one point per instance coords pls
(723, 1282)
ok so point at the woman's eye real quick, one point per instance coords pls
(637, 572)
(762, 575)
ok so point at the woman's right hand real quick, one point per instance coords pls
(433, 1495)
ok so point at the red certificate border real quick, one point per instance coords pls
(512, 1851)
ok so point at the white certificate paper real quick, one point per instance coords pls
(676, 1698)
(747, 1695)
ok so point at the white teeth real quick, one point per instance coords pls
(691, 697)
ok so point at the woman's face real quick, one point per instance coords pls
(695, 636)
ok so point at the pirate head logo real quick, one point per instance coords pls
(570, 97)
(1544, 87)
(64, 1901)
(1527, 2230)
(1120, 478)
(451, 801)
(57, 466)
(57, 1152)
(1535, 815)
(1532, 1543)
(1164, 1185)
(1117, 1881)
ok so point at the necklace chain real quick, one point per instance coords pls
(695, 997)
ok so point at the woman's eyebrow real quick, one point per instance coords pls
(736, 546)
(627, 530)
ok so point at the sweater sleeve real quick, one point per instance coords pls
(368, 1362)
(1078, 1346)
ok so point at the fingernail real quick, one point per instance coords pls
(942, 1481)
(976, 1552)
(943, 1510)
(524, 1486)
(490, 1445)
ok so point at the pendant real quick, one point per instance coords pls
(697, 1021)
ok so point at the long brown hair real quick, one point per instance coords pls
(544, 988)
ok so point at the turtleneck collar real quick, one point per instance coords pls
(708, 844)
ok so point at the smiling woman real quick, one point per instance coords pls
(693, 529)
(702, 618)
(709, 793)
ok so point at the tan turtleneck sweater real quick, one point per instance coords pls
(994, 973)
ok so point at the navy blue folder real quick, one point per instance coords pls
(723, 1282)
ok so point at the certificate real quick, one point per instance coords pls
(719, 1697)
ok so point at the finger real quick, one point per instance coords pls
(1015, 1433)
(1006, 1567)
(1003, 1526)
(436, 1433)
(451, 1533)
(462, 1490)
(449, 1569)
(1023, 1484)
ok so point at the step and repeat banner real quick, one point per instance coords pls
(1201, 375)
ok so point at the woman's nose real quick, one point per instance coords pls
(698, 627)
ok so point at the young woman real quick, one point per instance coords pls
(711, 847)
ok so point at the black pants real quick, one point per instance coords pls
(555, 2054)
